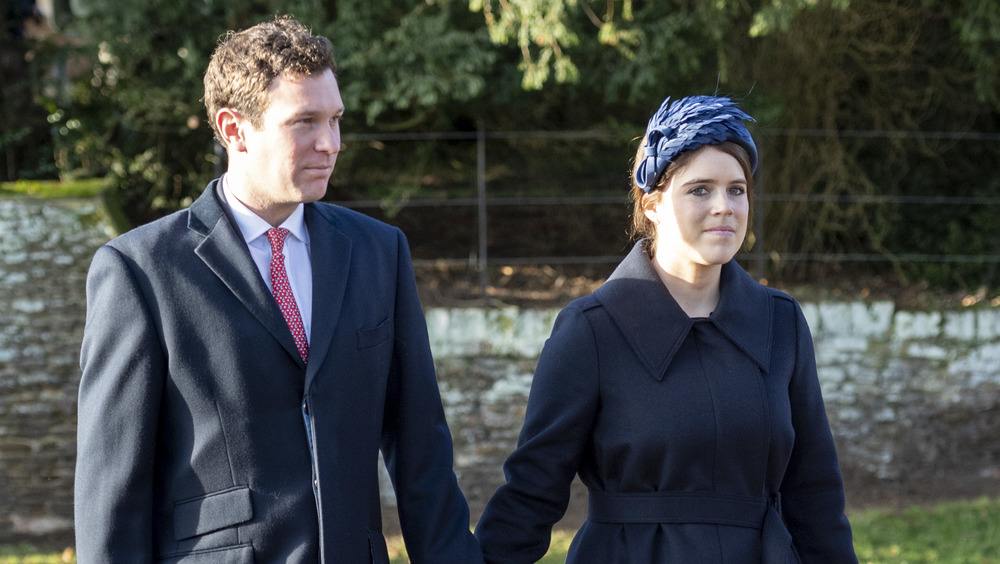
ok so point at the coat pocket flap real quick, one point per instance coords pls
(375, 336)
(242, 554)
(211, 512)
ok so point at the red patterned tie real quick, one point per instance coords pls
(283, 291)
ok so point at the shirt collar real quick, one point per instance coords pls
(252, 226)
(655, 325)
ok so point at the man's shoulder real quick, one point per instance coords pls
(353, 221)
(146, 234)
(195, 221)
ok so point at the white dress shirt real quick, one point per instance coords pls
(296, 250)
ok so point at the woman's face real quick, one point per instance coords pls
(701, 216)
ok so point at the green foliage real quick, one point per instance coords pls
(777, 16)
(539, 25)
(560, 39)
(24, 151)
(134, 113)
(408, 62)
(812, 71)
(895, 70)
(905, 68)
(978, 25)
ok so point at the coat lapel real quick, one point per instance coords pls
(330, 254)
(655, 326)
(645, 312)
(745, 314)
(225, 252)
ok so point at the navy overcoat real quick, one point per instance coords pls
(203, 438)
(701, 440)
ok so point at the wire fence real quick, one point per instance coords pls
(480, 259)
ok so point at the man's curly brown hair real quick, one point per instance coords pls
(246, 62)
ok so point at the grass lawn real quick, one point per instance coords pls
(963, 532)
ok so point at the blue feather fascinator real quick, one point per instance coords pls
(686, 124)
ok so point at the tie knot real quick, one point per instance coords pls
(276, 235)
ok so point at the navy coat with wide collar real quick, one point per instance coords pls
(701, 440)
(204, 438)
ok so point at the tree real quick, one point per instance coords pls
(407, 62)
(871, 101)
(22, 123)
(808, 69)
(134, 110)
(811, 71)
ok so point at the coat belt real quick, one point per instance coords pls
(760, 513)
(678, 507)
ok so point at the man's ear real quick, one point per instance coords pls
(229, 122)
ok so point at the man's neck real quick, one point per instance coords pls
(240, 207)
(273, 213)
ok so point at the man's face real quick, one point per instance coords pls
(289, 160)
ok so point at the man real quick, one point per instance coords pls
(239, 380)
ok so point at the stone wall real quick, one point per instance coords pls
(910, 394)
(45, 250)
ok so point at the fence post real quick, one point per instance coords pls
(484, 273)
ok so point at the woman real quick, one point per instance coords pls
(682, 392)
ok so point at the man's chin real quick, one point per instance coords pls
(314, 190)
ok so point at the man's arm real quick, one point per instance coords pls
(123, 370)
(434, 515)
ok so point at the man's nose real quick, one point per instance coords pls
(329, 140)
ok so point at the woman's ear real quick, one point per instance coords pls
(229, 121)
(649, 202)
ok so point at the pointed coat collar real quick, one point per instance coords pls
(655, 325)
